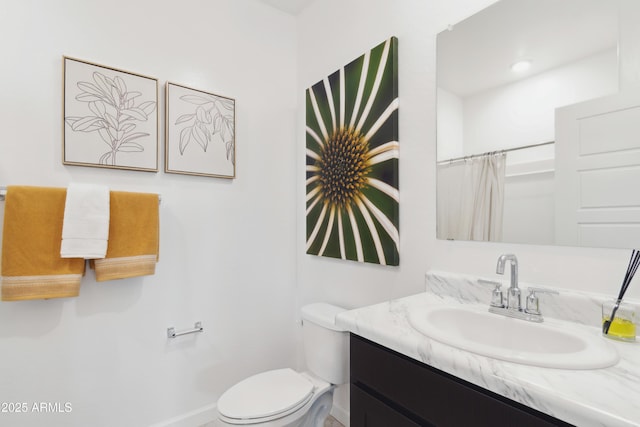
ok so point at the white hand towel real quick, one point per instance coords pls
(85, 228)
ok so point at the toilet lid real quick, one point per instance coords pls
(267, 394)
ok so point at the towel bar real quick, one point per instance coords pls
(171, 332)
(3, 193)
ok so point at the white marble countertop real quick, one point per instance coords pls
(601, 397)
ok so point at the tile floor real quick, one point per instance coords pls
(332, 422)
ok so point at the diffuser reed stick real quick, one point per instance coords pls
(634, 261)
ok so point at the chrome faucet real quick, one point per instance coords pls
(513, 300)
(511, 306)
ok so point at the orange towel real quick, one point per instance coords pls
(133, 237)
(31, 263)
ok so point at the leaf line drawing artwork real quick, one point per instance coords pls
(106, 105)
(213, 117)
(200, 132)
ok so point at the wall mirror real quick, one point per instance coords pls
(538, 129)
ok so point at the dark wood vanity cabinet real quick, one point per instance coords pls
(389, 389)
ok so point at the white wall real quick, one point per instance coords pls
(227, 247)
(450, 125)
(529, 208)
(358, 25)
(629, 46)
(522, 113)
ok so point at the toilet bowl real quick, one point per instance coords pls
(284, 397)
(278, 398)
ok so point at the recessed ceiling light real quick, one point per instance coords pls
(521, 66)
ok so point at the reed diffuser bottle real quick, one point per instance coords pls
(623, 325)
(618, 318)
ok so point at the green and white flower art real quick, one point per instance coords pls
(352, 152)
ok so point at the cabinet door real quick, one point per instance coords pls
(367, 411)
(433, 397)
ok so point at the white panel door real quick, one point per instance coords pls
(598, 172)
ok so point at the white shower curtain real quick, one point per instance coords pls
(470, 198)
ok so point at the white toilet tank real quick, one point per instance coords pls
(326, 346)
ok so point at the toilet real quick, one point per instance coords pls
(284, 397)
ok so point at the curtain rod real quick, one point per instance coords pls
(506, 150)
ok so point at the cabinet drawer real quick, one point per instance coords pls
(367, 411)
(435, 397)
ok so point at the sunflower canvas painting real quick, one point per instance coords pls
(352, 150)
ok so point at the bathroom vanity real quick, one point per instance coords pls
(395, 390)
(401, 377)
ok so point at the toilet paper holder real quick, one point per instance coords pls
(197, 327)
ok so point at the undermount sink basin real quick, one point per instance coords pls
(553, 344)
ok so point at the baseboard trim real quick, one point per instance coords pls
(195, 418)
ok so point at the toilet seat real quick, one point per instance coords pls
(265, 396)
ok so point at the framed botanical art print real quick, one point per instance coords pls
(352, 151)
(110, 117)
(200, 133)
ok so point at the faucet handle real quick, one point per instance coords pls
(533, 304)
(496, 295)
